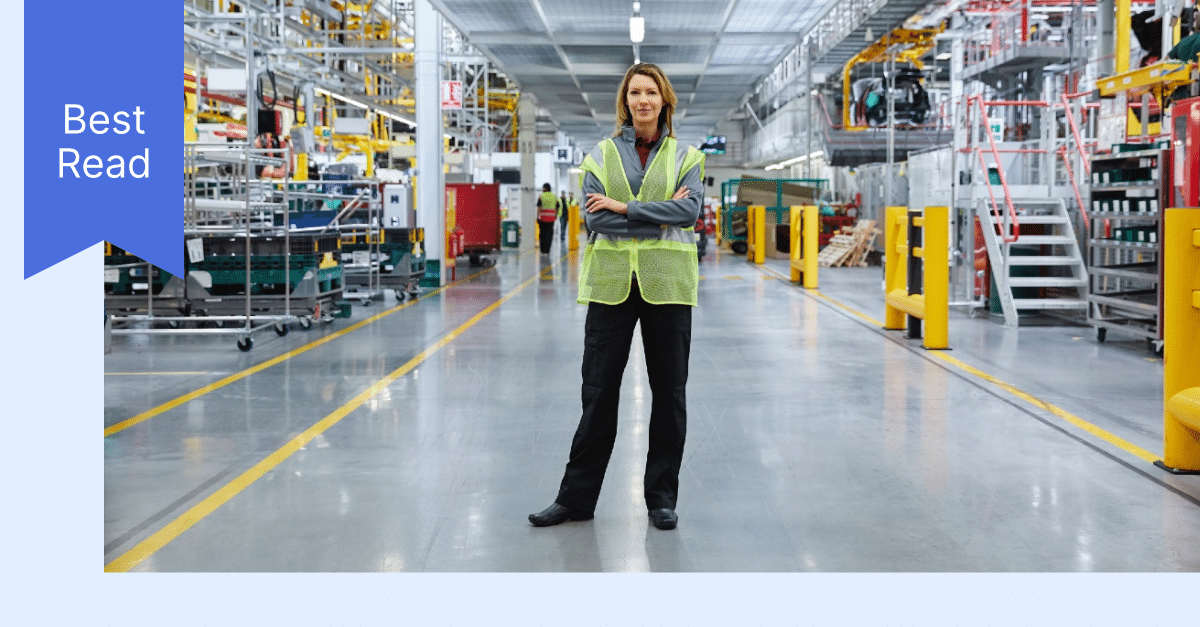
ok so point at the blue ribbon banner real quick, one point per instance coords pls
(103, 140)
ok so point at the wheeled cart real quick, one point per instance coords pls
(383, 258)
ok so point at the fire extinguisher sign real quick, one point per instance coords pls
(452, 94)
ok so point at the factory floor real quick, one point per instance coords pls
(418, 436)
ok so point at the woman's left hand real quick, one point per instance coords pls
(597, 202)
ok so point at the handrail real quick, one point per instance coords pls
(1012, 211)
(1087, 166)
(1062, 152)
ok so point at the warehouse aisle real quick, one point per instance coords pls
(421, 440)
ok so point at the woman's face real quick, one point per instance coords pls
(644, 99)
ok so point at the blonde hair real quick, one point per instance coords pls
(625, 118)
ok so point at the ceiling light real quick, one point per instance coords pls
(945, 56)
(637, 24)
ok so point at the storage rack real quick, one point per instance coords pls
(243, 265)
(1125, 270)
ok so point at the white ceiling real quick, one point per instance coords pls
(572, 54)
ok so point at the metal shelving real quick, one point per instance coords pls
(1125, 251)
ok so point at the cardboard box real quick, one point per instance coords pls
(766, 192)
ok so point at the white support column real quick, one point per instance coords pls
(1105, 17)
(527, 145)
(430, 183)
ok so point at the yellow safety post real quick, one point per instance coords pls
(895, 255)
(924, 294)
(756, 233)
(1181, 336)
(805, 226)
(573, 227)
(301, 173)
(1122, 28)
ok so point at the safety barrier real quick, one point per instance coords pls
(806, 226)
(573, 220)
(921, 290)
(1181, 336)
(756, 233)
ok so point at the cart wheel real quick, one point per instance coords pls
(401, 296)
(739, 247)
(282, 329)
(245, 344)
(366, 301)
(1156, 347)
(305, 323)
(174, 324)
(218, 324)
(1101, 334)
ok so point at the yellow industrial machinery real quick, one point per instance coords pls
(904, 45)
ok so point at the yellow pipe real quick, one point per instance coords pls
(911, 304)
(1185, 408)
(1122, 28)
(1181, 336)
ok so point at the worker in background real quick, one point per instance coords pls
(1188, 48)
(547, 214)
(643, 194)
(562, 215)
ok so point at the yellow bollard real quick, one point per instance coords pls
(573, 220)
(301, 173)
(895, 254)
(937, 277)
(805, 228)
(1181, 336)
(756, 233)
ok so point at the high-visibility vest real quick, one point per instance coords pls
(548, 211)
(666, 267)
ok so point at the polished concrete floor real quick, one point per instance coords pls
(418, 436)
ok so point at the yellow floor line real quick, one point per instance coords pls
(1061, 413)
(173, 529)
(193, 395)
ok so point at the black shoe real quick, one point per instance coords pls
(663, 518)
(557, 514)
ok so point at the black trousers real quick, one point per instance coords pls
(608, 334)
(546, 235)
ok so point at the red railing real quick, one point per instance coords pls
(1061, 152)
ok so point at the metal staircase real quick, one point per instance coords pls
(1044, 257)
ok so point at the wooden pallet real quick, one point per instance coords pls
(850, 245)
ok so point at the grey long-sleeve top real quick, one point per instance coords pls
(644, 219)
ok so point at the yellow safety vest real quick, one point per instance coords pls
(548, 211)
(666, 267)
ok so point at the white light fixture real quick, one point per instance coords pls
(637, 24)
(794, 160)
(945, 56)
(395, 117)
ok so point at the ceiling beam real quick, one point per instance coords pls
(653, 38)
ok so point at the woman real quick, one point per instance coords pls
(642, 195)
